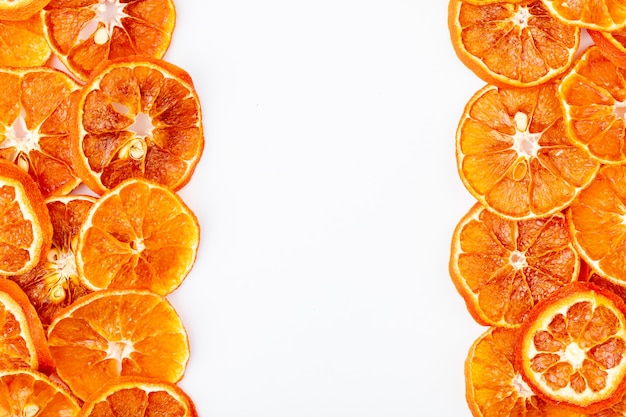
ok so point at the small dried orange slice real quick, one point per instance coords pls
(34, 132)
(137, 118)
(136, 397)
(28, 393)
(593, 94)
(138, 235)
(494, 387)
(503, 268)
(572, 348)
(511, 43)
(514, 155)
(109, 333)
(84, 34)
(25, 226)
(23, 43)
(22, 338)
(606, 15)
(54, 282)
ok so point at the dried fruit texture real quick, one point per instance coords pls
(503, 268)
(28, 393)
(511, 43)
(611, 44)
(137, 118)
(25, 226)
(607, 15)
(85, 33)
(494, 388)
(138, 235)
(593, 95)
(572, 348)
(54, 282)
(23, 43)
(108, 334)
(138, 397)
(514, 155)
(20, 9)
(34, 133)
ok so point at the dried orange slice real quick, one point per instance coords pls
(503, 268)
(514, 156)
(28, 393)
(25, 226)
(606, 15)
(136, 397)
(138, 235)
(597, 225)
(20, 9)
(34, 132)
(593, 94)
(108, 333)
(54, 282)
(137, 118)
(572, 348)
(22, 338)
(511, 43)
(494, 387)
(23, 43)
(86, 33)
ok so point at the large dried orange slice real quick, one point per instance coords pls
(27, 393)
(606, 15)
(513, 153)
(138, 235)
(25, 226)
(511, 43)
(593, 94)
(139, 397)
(503, 268)
(108, 333)
(23, 43)
(54, 282)
(137, 118)
(85, 33)
(494, 387)
(34, 132)
(572, 349)
(22, 338)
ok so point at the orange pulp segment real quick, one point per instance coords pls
(23, 43)
(607, 15)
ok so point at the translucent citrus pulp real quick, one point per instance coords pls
(112, 333)
(137, 118)
(23, 43)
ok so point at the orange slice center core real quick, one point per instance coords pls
(525, 143)
(21, 140)
(119, 351)
(63, 270)
(522, 16)
(109, 13)
(620, 109)
(30, 410)
(518, 260)
(574, 355)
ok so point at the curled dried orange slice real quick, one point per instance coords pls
(107, 334)
(503, 268)
(137, 118)
(572, 348)
(510, 42)
(84, 34)
(606, 15)
(514, 155)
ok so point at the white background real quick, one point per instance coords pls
(327, 195)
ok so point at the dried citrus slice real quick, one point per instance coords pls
(572, 348)
(514, 156)
(503, 268)
(84, 34)
(511, 43)
(112, 333)
(22, 338)
(494, 387)
(54, 282)
(27, 393)
(137, 397)
(607, 15)
(20, 9)
(34, 132)
(23, 43)
(597, 224)
(593, 94)
(611, 44)
(25, 226)
(138, 235)
(137, 118)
